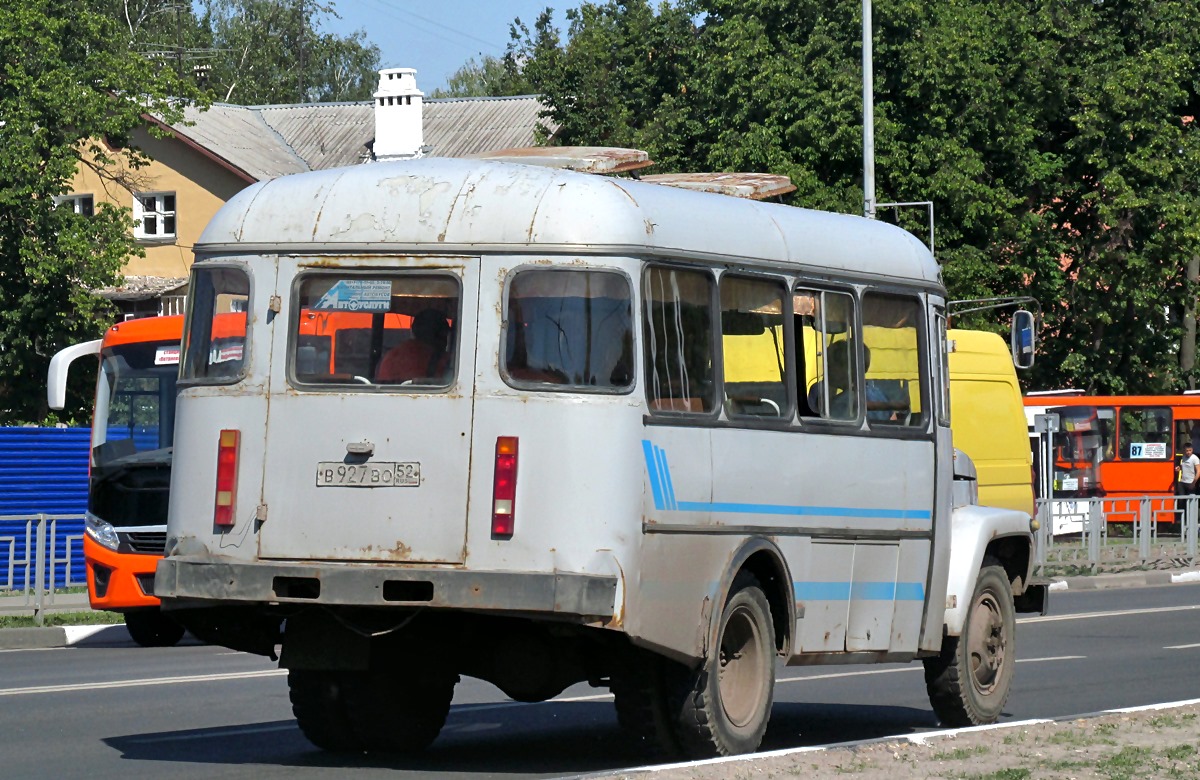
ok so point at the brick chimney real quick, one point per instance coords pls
(398, 131)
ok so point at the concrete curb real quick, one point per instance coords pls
(109, 634)
(1134, 579)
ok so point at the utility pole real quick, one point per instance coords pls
(868, 82)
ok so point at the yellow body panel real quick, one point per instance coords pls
(987, 418)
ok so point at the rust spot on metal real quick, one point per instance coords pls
(754, 186)
(584, 159)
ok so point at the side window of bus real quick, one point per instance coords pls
(678, 324)
(753, 348)
(394, 329)
(568, 329)
(1145, 433)
(897, 377)
(215, 338)
(826, 352)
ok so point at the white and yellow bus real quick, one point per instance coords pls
(566, 472)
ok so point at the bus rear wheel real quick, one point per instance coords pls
(969, 682)
(152, 628)
(726, 702)
(641, 688)
(374, 711)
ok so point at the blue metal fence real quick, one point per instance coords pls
(43, 471)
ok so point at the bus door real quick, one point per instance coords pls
(369, 426)
(1144, 452)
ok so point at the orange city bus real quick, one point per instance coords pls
(1119, 447)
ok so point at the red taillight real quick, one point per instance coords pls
(504, 488)
(227, 454)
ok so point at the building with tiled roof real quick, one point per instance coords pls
(213, 154)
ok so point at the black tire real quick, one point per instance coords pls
(152, 628)
(969, 682)
(400, 712)
(641, 688)
(320, 704)
(726, 701)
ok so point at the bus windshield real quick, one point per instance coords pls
(135, 409)
(1086, 434)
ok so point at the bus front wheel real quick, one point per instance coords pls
(727, 701)
(152, 628)
(969, 682)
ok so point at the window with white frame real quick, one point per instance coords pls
(80, 204)
(155, 212)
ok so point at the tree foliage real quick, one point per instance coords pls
(490, 77)
(70, 92)
(273, 51)
(1055, 140)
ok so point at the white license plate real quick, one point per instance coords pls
(370, 475)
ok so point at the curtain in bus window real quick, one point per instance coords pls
(678, 340)
(215, 339)
(826, 351)
(1145, 433)
(571, 329)
(896, 382)
(753, 349)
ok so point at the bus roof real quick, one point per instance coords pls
(455, 206)
(145, 329)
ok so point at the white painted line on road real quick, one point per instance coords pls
(1111, 613)
(137, 683)
(918, 739)
(1154, 707)
(1051, 658)
(1181, 647)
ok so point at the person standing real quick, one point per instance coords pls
(1186, 476)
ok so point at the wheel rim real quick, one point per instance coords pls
(987, 643)
(740, 671)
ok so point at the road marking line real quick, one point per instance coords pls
(136, 683)
(1181, 647)
(1051, 658)
(1112, 613)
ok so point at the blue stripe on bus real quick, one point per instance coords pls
(859, 591)
(805, 511)
(666, 476)
(664, 498)
(652, 471)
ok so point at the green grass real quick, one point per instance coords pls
(1127, 764)
(1012, 773)
(90, 618)
(961, 754)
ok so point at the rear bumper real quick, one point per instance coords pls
(118, 581)
(562, 595)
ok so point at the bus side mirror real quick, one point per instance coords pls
(1023, 339)
(56, 377)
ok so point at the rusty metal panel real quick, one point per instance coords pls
(560, 593)
(584, 159)
(755, 186)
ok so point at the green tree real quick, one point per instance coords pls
(273, 51)
(490, 77)
(67, 80)
(1055, 141)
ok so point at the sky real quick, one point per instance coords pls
(437, 37)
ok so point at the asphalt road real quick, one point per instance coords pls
(192, 711)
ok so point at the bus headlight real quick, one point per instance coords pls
(103, 533)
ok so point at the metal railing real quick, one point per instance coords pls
(38, 561)
(1098, 531)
